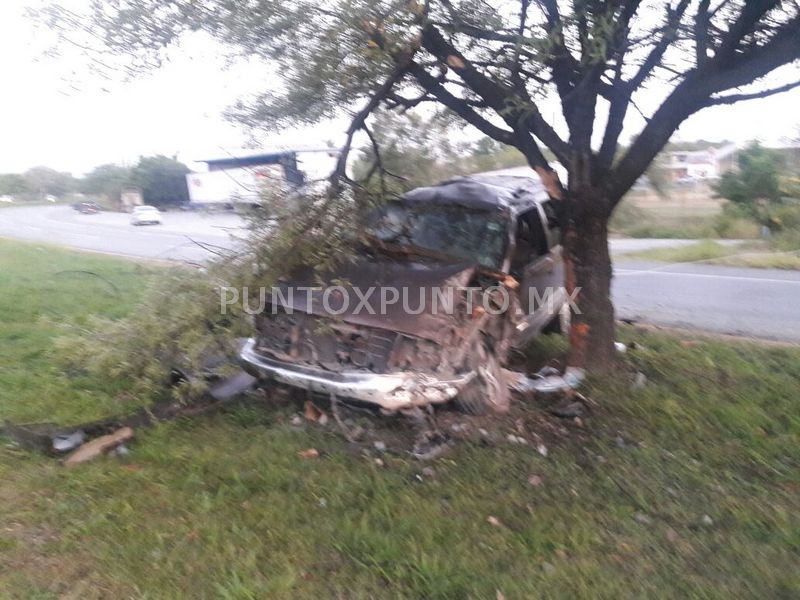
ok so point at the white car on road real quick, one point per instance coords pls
(146, 215)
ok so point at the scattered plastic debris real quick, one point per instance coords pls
(548, 381)
(67, 442)
(542, 449)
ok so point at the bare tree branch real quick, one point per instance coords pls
(744, 24)
(656, 55)
(359, 122)
(702, 21)
(694, 93)
(733, 98)
(459, 106)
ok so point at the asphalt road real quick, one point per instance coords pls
(751, 302)
(176, 239)
(760, 303)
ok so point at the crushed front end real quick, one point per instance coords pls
(386, 368)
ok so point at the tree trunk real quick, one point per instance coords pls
(588, 278)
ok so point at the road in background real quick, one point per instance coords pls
(110, 232)
(752, 302)
(620, 246)
(758, 303)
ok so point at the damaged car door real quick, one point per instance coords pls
(537, 264)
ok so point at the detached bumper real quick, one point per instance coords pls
(389, 391)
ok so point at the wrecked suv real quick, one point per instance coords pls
(449, 280)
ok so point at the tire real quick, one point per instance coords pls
(488, 392)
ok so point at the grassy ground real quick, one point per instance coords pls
(225, 507)
(754, 255)
(678, 216)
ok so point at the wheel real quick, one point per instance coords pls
(488, 391)
(559, 324)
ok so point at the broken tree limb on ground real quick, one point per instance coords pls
(98, 446)
(52, 439)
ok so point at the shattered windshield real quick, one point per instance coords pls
(478, 236)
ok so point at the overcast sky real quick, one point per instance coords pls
(54, 114)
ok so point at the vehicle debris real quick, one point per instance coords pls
(314, 414)
(549, 381)
(121, 451)
(231, 387)
(542, 449)
(67, 442)
(568, 409)
(98, 446)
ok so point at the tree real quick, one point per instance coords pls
(13, 184)
(414, 151)
(162, 180)
(495, 66)
(107, 181)
(417, 151)
(758, 177)
(45, 181)
(488, 155)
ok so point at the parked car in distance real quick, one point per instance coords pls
(87, 208)
(486, 241)
(145, 215)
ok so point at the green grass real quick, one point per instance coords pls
(41, 288)
(755, 255)
(223, 506)
(673, 219)
(663, 220)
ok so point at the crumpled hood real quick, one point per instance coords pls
(416, 283)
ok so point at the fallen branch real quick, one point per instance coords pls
(93, 274)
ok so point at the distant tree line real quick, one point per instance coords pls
(161, 179)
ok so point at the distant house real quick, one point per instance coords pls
(243, 176)
(694, 165)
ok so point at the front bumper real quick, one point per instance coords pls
(390, 391)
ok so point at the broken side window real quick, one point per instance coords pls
(531, 242)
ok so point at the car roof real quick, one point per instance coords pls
(499, 192)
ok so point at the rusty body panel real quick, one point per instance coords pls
(409, 354)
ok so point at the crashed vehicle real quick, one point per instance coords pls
(492, 244)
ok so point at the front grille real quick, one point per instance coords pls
(333, 345)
